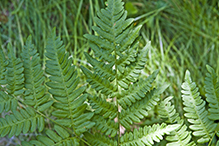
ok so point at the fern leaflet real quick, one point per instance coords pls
(147, 135)
(14, 73)
(35, 93)
(212, 93)
(3, 64)
(58, 137)
(195, 111)
(180, 136)
(24, 121)
(69, 101)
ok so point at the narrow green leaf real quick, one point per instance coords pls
(62, 132)
(53, 135)
(45, 106)
(40, 123)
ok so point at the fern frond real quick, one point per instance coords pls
(212, 93)
(14, 73)
(63, 82)
(127, 58)
(117, 64)
(102, 54)
(105, 70)
(129, 73)
(195, 111)
(136, 91)
(3, 63)
(179, 136)
(138, 110)
(147, 135)
(7, 102)
(107, 126)
(24, 121)
(99, 83)
(99, 140)
(35, 94)
(58, 137)
(102, 107)
(168, 111)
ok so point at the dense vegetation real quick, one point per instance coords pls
(184, 35)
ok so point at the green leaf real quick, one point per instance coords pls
(63, 86)
(45, 106)
(195, 111)
(20, 121)
(212, 93)
(147, 135)
(14, 73)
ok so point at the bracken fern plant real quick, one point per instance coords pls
(122, 98)
(111, 114)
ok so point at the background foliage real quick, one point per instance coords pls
(184, 34)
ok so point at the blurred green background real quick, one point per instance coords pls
(184, 33)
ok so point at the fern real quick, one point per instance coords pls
(7, 102)
(3, 64)
(35, 94)
(195, 111)
(26, 120)
(147, 135)
(26, 95)
(180, 136)
(99, 140)
(70, 108)
(50, 102)
(123, 98)
(14, 73)
(212, 93)
(58, 137)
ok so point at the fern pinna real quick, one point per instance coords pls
(122, 98)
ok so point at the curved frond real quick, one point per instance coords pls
(7, 102)
(63, 82)
(147, 135)
(58, 137)
(34, 79)
(99, 140)
(212, 93)
(24, 121)
(195, 111)
(14, 73)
